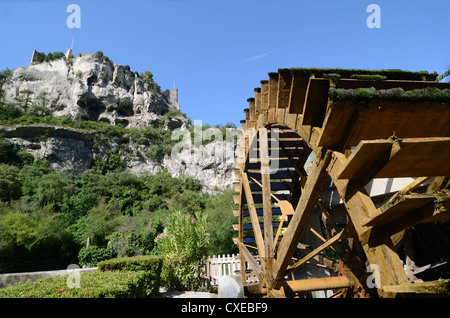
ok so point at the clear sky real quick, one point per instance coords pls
(217, 51)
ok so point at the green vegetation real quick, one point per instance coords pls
(137, 263)
(184, 248)
(46, 217)
(40, 57)
(430, 94)
(135, 277)
(348, 73)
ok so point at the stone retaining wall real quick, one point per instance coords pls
(15, 278)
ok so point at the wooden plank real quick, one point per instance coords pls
(278, 174)
(284, 88)
(407, 120)
(274, 186)
(316, 102)
(411, 157)
(266, 193)
(366, 160)
(258, 101)
(273, 89)
(264, 95)
(430, 212)
(395, 209)
(299, 86)
(249, 226)
(349, 122)
(259, 198)
(338, 125)
(259, 212)
(434, 287)
(253, 215)
(237, 198)
(247, 114)
(251, 261)
(303, 211)
(281, 162)
(252, 108)
(418, 157)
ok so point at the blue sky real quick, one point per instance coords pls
(217, 51)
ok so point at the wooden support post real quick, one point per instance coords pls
(305, 207)
(251, 261)
(359, 205)
(266, 193)
(267, 205)
(253, 215)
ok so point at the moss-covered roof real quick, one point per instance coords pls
(390, 74)
(430, 94)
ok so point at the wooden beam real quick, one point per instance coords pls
(348, 122)
(264, 95)
(398, 207)
(253, 215)
(316, 102)
(266, 192)
(257, 101)
(377, 245)
(251, 261)
(430, 212)
(312, 254)
(273, 90)
(252, 108)
(410, 157)
(303, 211)
(434, 287)
(284, 88)
(299, 86)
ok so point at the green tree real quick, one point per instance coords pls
(24, 98)
(220, 224)
(10, 183)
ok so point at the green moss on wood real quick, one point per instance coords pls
(348, 73)
(429, 94)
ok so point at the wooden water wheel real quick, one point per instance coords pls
(340, 173)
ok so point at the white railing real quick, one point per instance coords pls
(226, 265)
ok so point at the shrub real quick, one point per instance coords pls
(10, 183)
(124, 284)
(184, 246)
(92, 255)
(151, 263)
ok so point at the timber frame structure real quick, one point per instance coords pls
(356, 126)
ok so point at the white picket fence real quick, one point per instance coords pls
(226, 265)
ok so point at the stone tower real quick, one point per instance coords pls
(173, 98)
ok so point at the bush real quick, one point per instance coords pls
(92, 255)
(10, 183)
(151, 263)
(124, 284)
(184, 246)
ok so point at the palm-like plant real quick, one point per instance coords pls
(443, 76)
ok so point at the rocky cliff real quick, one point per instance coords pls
(91, 88)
